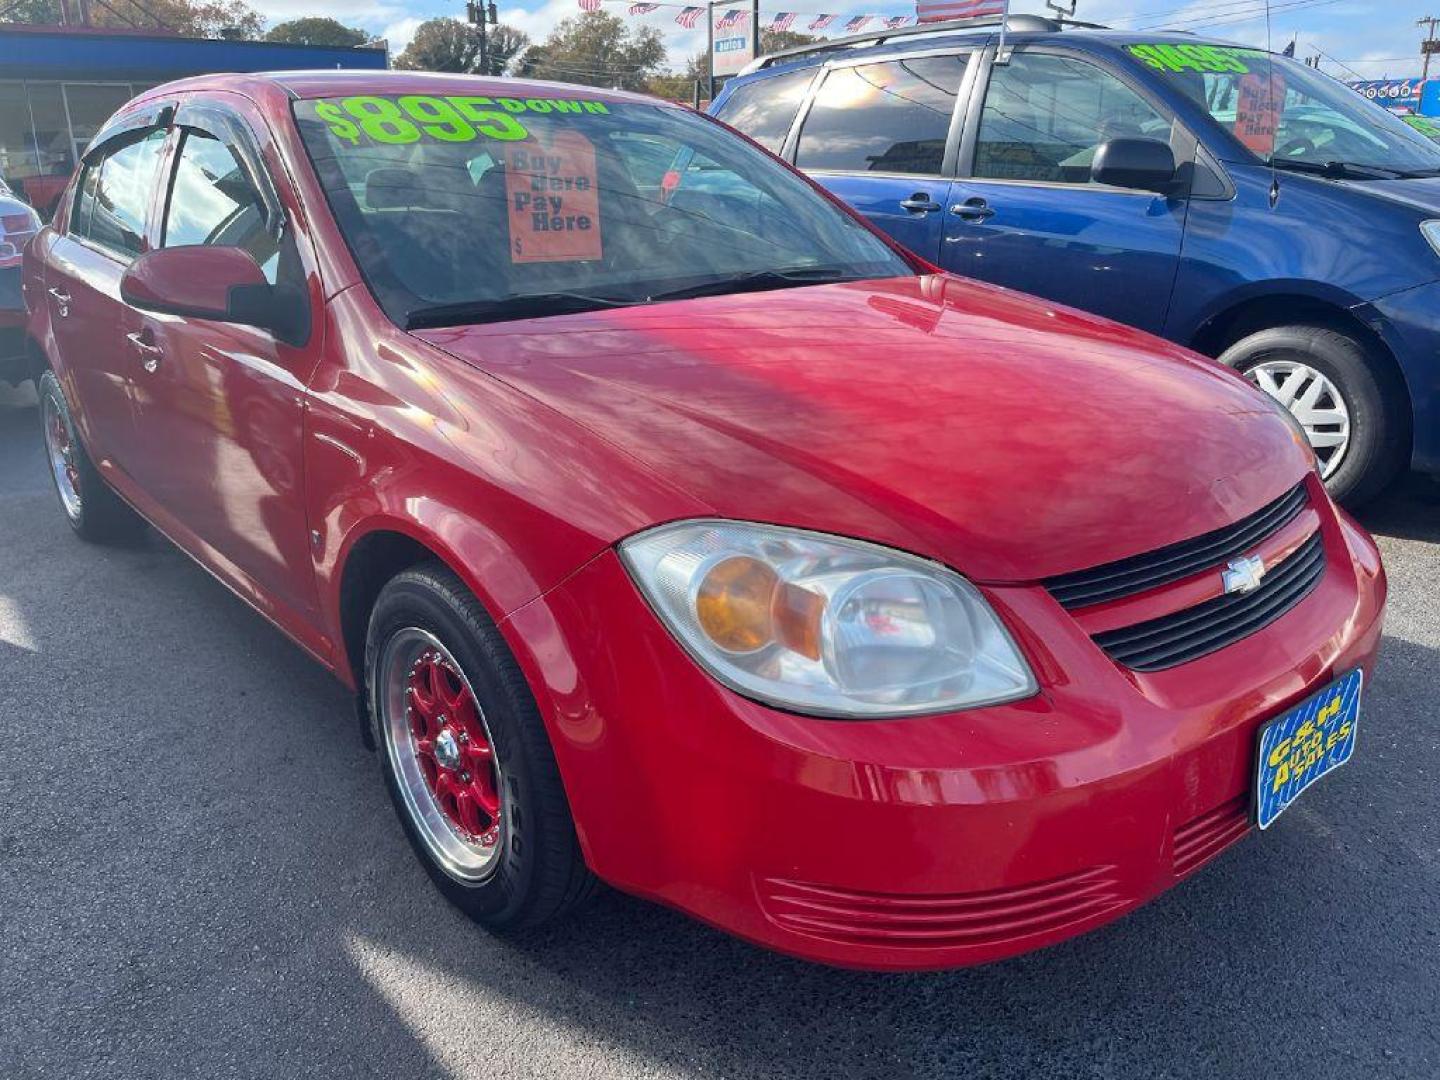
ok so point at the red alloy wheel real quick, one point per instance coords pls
(453, 748)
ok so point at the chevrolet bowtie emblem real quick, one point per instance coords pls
(1243, 575)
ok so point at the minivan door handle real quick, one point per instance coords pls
(62, 301)
(150, 354)
(973, 209)
(919, 203)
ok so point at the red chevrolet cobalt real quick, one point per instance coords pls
(678, 531)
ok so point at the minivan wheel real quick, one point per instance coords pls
(94, 511)
(1336, 388)
(466, 758)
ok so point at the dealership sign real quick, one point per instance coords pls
(1399, 94)
(733, 41)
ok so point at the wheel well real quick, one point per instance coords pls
(38, 361)
(1225, 329)
(375, 559)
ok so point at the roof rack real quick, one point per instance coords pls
(1017, 23)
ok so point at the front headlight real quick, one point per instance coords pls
(823, 625)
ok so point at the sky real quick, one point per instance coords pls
(1355, 41)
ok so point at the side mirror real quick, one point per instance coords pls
(221, 283)
(1138, 164)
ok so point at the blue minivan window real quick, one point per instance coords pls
(1046, 115)
(892, 117)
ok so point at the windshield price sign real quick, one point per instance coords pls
(1216, 59)
(553, 195)
(357, 120)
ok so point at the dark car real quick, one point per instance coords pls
(18, 223)
(1232, 200)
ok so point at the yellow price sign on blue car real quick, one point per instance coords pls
(1300, 747)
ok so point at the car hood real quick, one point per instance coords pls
(1004, 436)
(1421, 193)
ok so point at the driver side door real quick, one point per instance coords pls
(1024, 212)
(221, 408)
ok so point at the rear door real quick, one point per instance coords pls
(221, 410)
(96, 332)
(882, 135)
(1024, 212)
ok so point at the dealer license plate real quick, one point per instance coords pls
(1310, 740)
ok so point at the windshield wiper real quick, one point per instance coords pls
(1338, 170)
(760, 281)
(511, 307)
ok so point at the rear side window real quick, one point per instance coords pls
(115, 194)
(765, 108)
(1045, 116)
(887, 118)
(213, 201)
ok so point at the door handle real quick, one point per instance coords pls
(973, 209)
(62, 301)
(149, 354)
(919, 203)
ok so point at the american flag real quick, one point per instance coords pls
(689, 16)
(733, 17)
(943, 10)
(782, 20)
(859, 21)
(896, 21)
(642, 9)
(589, 5)
(822, 21)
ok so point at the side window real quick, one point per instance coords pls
(213, 201)
(1045, 116)
(889, 118)
(115, 196)
(765, 108)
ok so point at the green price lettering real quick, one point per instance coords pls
(457, 119)
(340, 127)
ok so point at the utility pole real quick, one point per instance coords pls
(1430, 46)
(479, 13)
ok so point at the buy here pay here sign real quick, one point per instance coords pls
(553, 193)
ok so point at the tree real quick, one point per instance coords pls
(597, 49)
(697, 69)
(447, 44)
(189, 18)
(775, 40)
(317, 30)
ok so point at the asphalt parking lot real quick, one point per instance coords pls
(200, 875)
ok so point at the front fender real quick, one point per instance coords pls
(401, 437)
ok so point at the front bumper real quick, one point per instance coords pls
(929, 842)
(1409, 324)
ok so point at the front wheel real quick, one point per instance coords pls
(1333, 384)
(466, 757)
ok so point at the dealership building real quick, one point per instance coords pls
(59, 84)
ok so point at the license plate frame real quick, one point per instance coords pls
(1303, 744)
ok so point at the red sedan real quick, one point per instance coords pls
(678, 531)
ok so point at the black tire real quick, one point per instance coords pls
(98, 515)
(1373, 397)
(539, 873)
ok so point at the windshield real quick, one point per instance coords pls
(1298, 116)
(468, 209)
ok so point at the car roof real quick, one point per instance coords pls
(880, 45)
(329, 82)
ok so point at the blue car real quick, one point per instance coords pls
(1226, 198)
